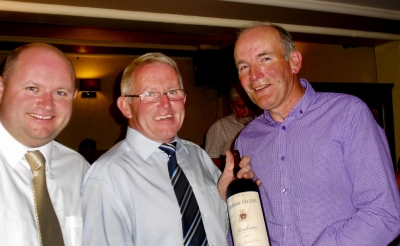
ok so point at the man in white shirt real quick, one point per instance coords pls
(127, 194)
(36, 94)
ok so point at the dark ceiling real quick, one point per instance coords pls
(177, 27)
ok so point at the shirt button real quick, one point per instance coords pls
(285, 191)
(203, 215)
(283, 158)
(287, 227)
(301, 111)
(284, 127)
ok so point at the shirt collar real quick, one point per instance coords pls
(300, 108)
(13, 151)
(145, 146)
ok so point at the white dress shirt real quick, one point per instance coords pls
(128, 198)
(65, 170)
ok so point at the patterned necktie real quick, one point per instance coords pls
(46, 219)
(192, 224)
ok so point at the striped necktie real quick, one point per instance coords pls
(192, 224)
(46, 219)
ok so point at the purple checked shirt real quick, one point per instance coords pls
(326, 172)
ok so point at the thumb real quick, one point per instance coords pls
(229, 162)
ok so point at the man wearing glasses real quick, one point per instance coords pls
(136, 194)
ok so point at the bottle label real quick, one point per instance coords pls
(247, 220)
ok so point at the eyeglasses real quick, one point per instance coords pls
(152, 96)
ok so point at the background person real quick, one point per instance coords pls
(324, 163)
(221, 135)
(127, 194)
(88, 148)
(36, 94)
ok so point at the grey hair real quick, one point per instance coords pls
(237, 91)
(286, 39)
(127, 81)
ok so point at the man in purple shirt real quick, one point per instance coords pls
(324, 162)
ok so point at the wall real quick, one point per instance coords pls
(388, 66)
(95, 118)
(333, 63)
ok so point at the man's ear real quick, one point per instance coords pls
(295, 61)
(1, 88)
(124, 107)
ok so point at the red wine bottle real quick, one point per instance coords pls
(245, 211)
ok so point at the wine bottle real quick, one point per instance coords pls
(245, 212)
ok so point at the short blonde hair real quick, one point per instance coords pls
(127, 81)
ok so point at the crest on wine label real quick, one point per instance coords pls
(243, 215)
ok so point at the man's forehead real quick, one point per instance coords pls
(154, 71)
(239, 101)
(257, 34)
(39, 53)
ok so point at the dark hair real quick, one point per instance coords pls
(86, 143)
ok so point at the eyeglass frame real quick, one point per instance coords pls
(159, 95)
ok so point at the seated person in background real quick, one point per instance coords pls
(88, 148)
(128, 198)
(222, 134)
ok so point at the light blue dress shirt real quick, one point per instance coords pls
(326, 171)
(128, 198)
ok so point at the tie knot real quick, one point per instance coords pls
(35, 159)
(168, 148)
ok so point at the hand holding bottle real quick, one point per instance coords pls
(228, 175)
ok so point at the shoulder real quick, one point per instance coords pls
(196, 152)
(70, 156)
(221, 123)
(339, 104)
(337, 99)
(226, 120)
(108, 169)
(112, 159)
(191, 146)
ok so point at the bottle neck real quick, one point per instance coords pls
(236, 159)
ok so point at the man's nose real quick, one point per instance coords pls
(46, 101)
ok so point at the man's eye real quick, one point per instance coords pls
(241, 68)
(172, 92)
(148, 94)
(31, 88)
(61, 93)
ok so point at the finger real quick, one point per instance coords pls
(244, 161)
(229, 161)
(248, 174)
